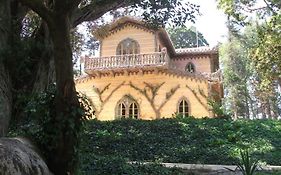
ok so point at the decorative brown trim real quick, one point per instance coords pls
(197, 97)
(104, 101)
(83, 79)
(153, 89)
(109, 29)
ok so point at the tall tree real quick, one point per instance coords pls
(237, 71)
(262, 45)
(59, 17)
(268, 16)
(183, 37)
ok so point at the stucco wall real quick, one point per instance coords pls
(146, 111)
(145, 39)
(202, 64)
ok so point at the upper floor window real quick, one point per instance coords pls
(128, 46)
(127, 107)
(190, 67)
(183, 107)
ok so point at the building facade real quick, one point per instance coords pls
(139, 74)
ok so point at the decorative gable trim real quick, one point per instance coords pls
(114, 27)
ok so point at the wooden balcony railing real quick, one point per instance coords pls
(126, 61)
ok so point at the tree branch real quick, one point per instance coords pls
(168, 96)
(95, 10)
(66, 6)
(38, 7)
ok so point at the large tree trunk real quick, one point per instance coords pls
(5, 88)
(5, 101)
(62, 162)
(45, 74)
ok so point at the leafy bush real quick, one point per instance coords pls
(182, 140)
(40, 124)
(109, 165)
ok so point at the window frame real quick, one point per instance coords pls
(127, 101)
(134, 50)
(184, 113)
(187, 67)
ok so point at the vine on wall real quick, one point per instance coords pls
(150, 91)
(197, 96)
(102, 99)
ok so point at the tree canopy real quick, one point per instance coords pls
(252, 57)
(183, 37)
(267, 17)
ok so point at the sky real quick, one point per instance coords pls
(211, 23)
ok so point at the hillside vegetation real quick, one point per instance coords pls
(179, 140)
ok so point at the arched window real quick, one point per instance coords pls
(121, 110)
(128, 46)
(127, 107)
(133, 110)
(183, 107)
(190, 67)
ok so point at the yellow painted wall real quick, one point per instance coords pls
(146, 111)
(202, 64)
(145, 39)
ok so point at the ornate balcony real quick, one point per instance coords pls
(126, 62)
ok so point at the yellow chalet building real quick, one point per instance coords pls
(140, 74)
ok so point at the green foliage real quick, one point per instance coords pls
(237, 71)
(20, 58)
(268, 173)
(217, 109)
(183, 37)
(39, 122)
(159, 13)
(247, 166)
(266, 49)
(181, 140)
(118, 165)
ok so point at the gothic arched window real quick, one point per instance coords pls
(128, 46)
(133, 110)
(190, 67)
(127, 107)
(183, 107)
(121, 110)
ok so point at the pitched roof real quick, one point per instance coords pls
(196, 50)
(108, 29)
(122, 22)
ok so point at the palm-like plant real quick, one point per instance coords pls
(247, 166)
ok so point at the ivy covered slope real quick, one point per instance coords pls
(188, 140)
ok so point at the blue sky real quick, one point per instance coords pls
(212, 21)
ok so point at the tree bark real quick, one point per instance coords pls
(5, 101)
(5, 88)
(45, 74)
(62, 161)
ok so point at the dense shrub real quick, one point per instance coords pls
(109, 165)
(182, 140)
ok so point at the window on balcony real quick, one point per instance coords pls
(190, 67)
(127, 107)
(183, 107)
(128, 46)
